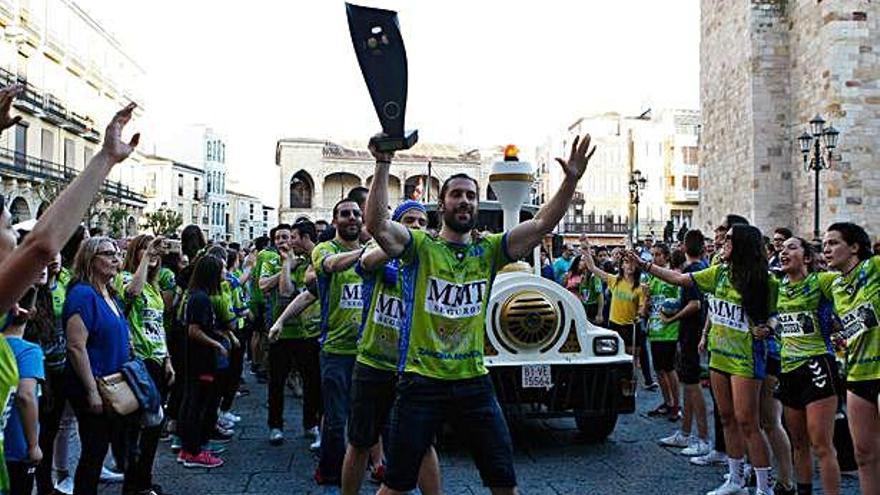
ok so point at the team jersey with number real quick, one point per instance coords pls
(341, 302)
(805, 319)
(659, 291)
(446, 294)
(857, 301)
(731, 346)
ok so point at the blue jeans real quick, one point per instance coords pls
(422, 406)
(335, 390)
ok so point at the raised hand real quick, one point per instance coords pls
(381, 156)
(7, 95)
(114, 148)
(576, 164)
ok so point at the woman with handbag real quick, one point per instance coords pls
(138, 283)
(98, 347)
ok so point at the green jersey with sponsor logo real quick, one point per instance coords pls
(448, 292)
(8, 385)
(307, 323)
(857, 302)
(341, 302)
(659, 291)
(257, 297)
(590, 288)
(732, 348)
(146, 317)
(385, 315)
(801, 306)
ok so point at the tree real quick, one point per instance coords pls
(118, 216)
(163, 221)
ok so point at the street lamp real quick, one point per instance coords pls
(636, 184)
(810, 142)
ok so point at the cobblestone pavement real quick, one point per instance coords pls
(549, 460)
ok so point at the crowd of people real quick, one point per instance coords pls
(379, 324)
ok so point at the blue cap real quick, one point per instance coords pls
(404, 207)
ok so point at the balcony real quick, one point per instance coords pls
(683, 196)
(55, 111)
(596, 228)
(25, 167)
(76, 123)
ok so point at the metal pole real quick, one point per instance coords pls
(429, 183)
(816, 204)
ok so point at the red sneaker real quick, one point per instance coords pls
(377, 474)
(204, 459)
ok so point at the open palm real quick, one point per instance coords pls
(115, 148)
(581, 153)
(7, 95)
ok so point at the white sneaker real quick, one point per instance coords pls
(65, 485)
(316, 445)
(108, 476)
(713, 458)
(696, 447)
(729, 488)
(313, 432)
(225, 424)
(764, 492)
(229, 417)
(276, 437)
(747, 475)
(677, 439)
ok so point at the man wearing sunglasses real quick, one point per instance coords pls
(339, 293)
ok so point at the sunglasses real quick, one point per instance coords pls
(349, 213)
(110, 253)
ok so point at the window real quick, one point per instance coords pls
(301, 190)
(689, 155)
(196, 190)
(209, 152)
(210, 183)
(691, 183)
(47, 145)
(88, 153)
(180, 184)
(20, 145)
(670, 181)
(251, 216)
(69, 154)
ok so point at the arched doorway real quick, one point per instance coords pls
(394, 193)
(336, 187)
(19, 210)
(415, 188)
(301, 189)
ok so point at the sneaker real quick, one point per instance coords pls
(316, 445)
(154, 490)
(696, 447)
(229, 417)
(321, 480)
(65, 485)
(661, 410)
(713, 458)
(729, 488)
(108, 476)
(651, 386)
(202, 460)
(225, 424)
(276, 437)
(748, 475)
(176, 443)
(214, 447)
(674, 414)
(377, 473)
(677, 439)
(313, 432)
(778, 489)
(222, 435)
(771, 491)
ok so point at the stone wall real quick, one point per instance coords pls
(767, 67)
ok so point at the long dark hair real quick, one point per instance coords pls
(192, 240)
(854, 234)
(206, 275)
(748, 271)
(39, 328)
(575, 268)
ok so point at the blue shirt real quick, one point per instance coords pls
(108, 341)
(560, 266)
(29, 358)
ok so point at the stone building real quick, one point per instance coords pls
(246, 217)
(315, 174)
(76, 76)
(767, 67)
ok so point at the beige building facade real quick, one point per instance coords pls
(767, 67)
(76, 76)
(315, 174)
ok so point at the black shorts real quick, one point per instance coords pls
(689, 356)
(592, 311)
(774, 366)
(866, 389)
(372, 394)
(815, 379)
(625, 332)
(663, 353)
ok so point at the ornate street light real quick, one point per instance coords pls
(636, 183)
(814, 160)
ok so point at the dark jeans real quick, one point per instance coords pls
(95, 434)
(335, 390)
(644, 363)
(198, 413)
(51, 407)
(283, 356)
(143, 442)
(177, 350)
(421, 408)
(232, 379)
(21, 477)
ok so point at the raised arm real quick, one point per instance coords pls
(24, 264)
(139, 278)
(285, 284)
(392, 237)
(591, 265)
(341, 261)
(525, 236)
(670, 276)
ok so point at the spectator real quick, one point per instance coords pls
(562, 263)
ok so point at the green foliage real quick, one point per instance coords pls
(118, 216)
(163, 222)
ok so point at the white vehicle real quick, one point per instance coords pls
(545, 358)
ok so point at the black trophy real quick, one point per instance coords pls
(378, 45)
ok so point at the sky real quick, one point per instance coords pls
(481, 73)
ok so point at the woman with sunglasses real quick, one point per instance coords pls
(97, 346)
(856, 293)
(742, 298)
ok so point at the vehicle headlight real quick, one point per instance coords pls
(605, 346)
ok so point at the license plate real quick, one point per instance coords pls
(536, 376)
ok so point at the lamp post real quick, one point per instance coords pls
(814, 159)
(636, 184)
